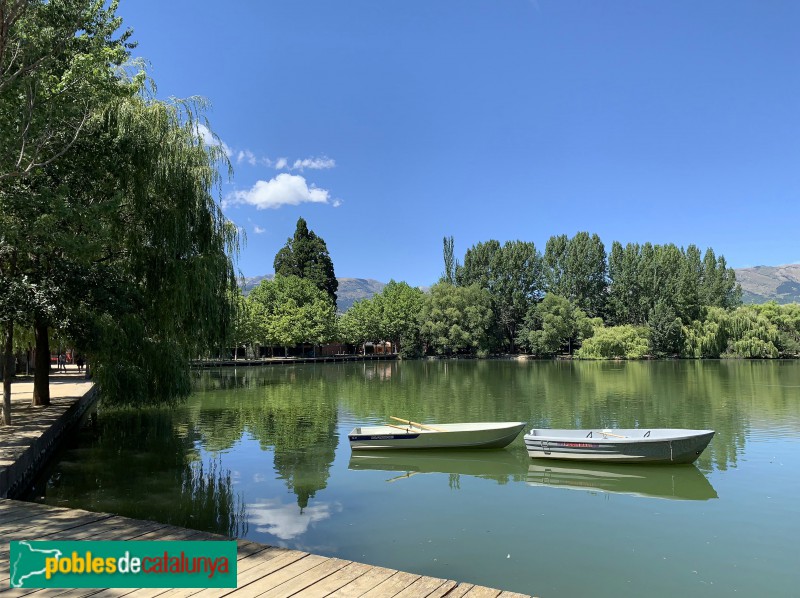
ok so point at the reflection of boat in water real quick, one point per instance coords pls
(679, 483)
(485, 464)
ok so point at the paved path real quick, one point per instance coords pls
(261, 570)
(28, 423)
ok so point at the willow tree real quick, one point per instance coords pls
(170, 245)
(140, 275)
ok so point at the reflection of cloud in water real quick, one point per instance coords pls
(259, 477)
(287, 521)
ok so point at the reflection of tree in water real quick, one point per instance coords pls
(723, 395)
(137, 463)
(290, 410)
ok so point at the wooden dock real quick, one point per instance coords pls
(230, 363)
(262, 570)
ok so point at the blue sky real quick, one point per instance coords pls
(388, 125)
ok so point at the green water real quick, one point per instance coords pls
(262, 453)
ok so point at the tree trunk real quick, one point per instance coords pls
(8, 371)
(41, 375)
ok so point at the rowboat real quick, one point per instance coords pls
(656, 445)
(412, 435)
(671, 483)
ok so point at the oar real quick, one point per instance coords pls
(406, 430)
(607, 433)
(409, 422)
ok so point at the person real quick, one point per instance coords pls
(62, 362)
(79, 361)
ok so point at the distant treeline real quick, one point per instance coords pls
(574, 298)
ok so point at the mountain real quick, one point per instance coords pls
(353, 289)
(770, 283)
(350, 289)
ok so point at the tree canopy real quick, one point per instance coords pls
(306, 255)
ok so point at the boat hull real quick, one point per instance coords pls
(672, 446)
(446, 436)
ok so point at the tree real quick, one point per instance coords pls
(398, 307)
(450, 262)
(576, 269)
(306, 255)
(163, 242)
(616, 342)
(59, 61)
(290, 310)
(666, 332)
(360, 323)
(456, 319)
(555, 324)
(512, 274)
(128, 250)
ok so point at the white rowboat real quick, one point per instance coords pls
(656, 445)
(435, 436)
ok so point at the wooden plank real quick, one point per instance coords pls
(482, 592)
(423, 587)
(299, 583)
(506, 594)
(364, 583)
(260, 571)
(444, 589)
(460, 590)
(392, 585)
(276, 578)
(336, 580)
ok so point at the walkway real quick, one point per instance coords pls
(31, 433)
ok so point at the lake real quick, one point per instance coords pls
(262, 453)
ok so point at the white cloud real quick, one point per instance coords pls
(281, 163)
(258, 230)
(314, 163)
(204, 133)
(284, 190)
(337, 203)
(246, 156)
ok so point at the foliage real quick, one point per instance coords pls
(643, 276)
(450, 262)
(553, 325)
(59, 61)
(666, 332)
(743, 333)
(305, 255)
(397, 308)
(576, 269)
(289, 310)
(360, 323)
(154, 247)
(616, 342)
(124, 249)
(511, 274)
(456, 319)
